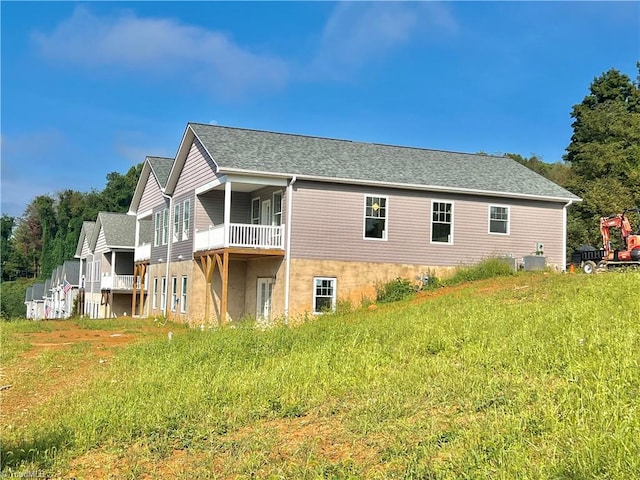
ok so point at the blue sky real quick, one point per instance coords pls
(90, 88)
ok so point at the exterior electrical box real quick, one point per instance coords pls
(534, 262)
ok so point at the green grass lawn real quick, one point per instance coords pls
(538, 379)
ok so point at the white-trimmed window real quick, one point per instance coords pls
(177, 223)
(277, 208)
(165, 226)
(186, 219)
(441, 222)
(499, 219)
(163, 295)
(255, 211)
(324, 294)
(154, 303)
(158, 229)
(183, 296)
(174, 293)
(375, 217)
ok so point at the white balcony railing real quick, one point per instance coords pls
(143, 252)
(117, 282)
(240, 235)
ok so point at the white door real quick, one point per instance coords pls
(265, 217)
(265, 289)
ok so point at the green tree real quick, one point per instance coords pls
(6, 247)
(604, 154)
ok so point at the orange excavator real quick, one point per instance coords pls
(629, 252)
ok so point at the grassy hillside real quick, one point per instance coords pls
(533, 376)
(12, 297)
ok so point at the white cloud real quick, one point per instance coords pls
(160, 46)
(360, 32)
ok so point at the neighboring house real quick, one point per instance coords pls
(56, 299)
(48, 300)
(69, 286)
(85, 258)
(149, 203)
(108, 255)
(28, 303)
(269, 224)
(37, 301)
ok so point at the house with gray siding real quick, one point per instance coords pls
(264, 224)
(37, 301)
(150, 207)
(85, 270)
(107, 249)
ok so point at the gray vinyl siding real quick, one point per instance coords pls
(209, 209)
(151, 195)
(198, 170)
(328, 223)
(161, 250)
(101, 242)
(86, 251)
(183, 247)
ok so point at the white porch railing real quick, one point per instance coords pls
(142, 252)
(117, 282)
(240, 235)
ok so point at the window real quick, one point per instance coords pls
(324, 294)
(277, 208)
(441, 222)
(255, 211)
(174, 293)
(158, 225)
(176, 222)
(375, 217)
(186, 214)
(183, 297)
(165, 226)
(163, 295)
(498, 219)
(154, 303)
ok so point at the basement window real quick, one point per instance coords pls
(324, 294)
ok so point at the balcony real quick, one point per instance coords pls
(116, 282)
(240, 235)
(143, 252)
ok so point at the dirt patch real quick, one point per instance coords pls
(25, 389)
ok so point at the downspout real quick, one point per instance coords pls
(564, 235)
(168, 260)
(288, 252)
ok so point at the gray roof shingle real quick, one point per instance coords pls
(161, 168)
(119, 229)
(330, 159)
(70, 272)
(38, 291)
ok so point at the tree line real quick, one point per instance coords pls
(602, 165)
(47, 232)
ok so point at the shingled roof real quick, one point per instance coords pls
(37, 293)
(160, 168)
(119, 230)
(85, 232)
(70, 272)
(325, 159)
